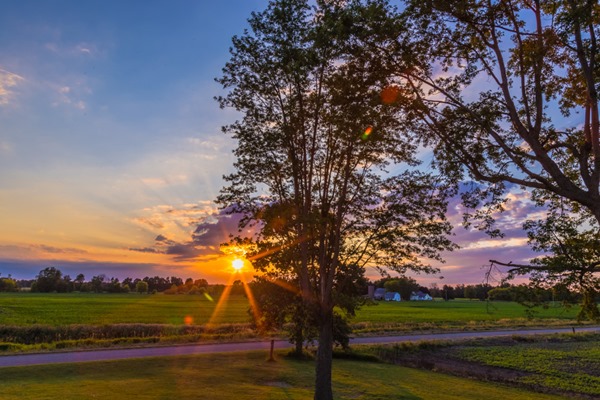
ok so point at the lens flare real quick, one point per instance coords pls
(367, 132)
(390, 94)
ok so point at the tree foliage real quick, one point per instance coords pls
(321, 159)
(571, 259)
(8, 284)
(49, 279)
(506, 94)
(492, 84)
(141, 287)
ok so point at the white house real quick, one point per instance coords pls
(420, 296)
(379, 294)
(392, 296)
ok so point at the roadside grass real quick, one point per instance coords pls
(34, 338)
(241, 376)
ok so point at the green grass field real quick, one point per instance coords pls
(241, 376)
(99, 309)
(454, 311)
(569, 366)
(248, 375)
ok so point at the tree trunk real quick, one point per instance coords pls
(589, 307)
(323, 389)
(299, 342)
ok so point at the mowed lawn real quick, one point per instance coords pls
(240, 376)
(100, 309)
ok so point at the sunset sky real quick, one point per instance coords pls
(110, 145)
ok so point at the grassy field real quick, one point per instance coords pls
(455, 313)
(248, 376)
(563, 364)
(559, 365)
(99, 309)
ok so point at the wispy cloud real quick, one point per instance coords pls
(8, 81)
(5, 147)
(71, 94)
(57, 250)
(73, 50)
(180, 179)
(38, 250)
(177, 222)
(145, 250)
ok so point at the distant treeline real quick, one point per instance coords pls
(505, 292)
(520, 293)
(51, 279)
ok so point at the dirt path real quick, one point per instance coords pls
(166, 351)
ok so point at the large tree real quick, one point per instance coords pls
(505, 92)
(318, 159)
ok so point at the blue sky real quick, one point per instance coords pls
(110, 141)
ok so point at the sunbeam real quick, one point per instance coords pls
(253, 305)
(221, 302)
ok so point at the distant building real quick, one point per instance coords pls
(379, 294)
(392, 296)
(420, 296)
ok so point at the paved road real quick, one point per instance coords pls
(119, 354)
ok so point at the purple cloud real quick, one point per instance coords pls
(205, 240)
(28, 269)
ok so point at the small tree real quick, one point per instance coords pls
(97, 283)
(78, 282)
(141, 287)
(47, 280)
(571, 260)
(281, 307)
(8, 285)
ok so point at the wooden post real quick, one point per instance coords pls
(271, 358)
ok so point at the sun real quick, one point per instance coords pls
(237, 264)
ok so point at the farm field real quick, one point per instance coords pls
(565, 364)
(100, 309)
(569, 366)
(248, 376)
(454, 311)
